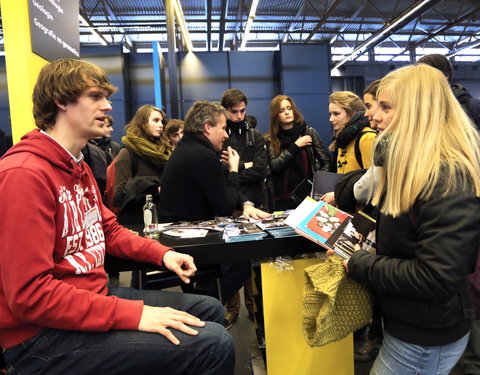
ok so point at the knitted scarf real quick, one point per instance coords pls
(380, 151)
(156, 154)
(351, 130)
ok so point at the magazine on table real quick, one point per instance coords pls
(276, 226)
(239, 232)
(333, 228)
(194, 224)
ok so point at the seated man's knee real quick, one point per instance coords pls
(212, 310)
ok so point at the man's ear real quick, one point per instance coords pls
(207, 128)
(61, 106)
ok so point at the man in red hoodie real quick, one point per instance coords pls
(56, 314)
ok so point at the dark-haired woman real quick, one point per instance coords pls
(295, 150)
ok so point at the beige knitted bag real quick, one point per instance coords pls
(334, 305)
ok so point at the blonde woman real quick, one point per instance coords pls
(427, 229)
(352, 136)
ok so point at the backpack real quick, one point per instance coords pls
(472, 309)
(358, 153)
(110, 188)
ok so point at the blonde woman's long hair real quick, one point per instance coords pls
(351, 103)
(430, 138)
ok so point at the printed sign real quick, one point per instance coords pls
(54, 29)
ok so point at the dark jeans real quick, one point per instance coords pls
(132, 352)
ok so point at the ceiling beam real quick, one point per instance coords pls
(85, 23)
(113, 16)
(223, 17)
(441, 30)
(323, 20)
(390, 28)
(294, 21)
(209, 25)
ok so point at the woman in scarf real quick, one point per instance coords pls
(139, 165)
(352, 135)
(295, 150)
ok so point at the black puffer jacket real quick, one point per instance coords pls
(419, 271)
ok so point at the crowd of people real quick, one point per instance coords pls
(410, 151)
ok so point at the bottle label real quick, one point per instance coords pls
(147, 218)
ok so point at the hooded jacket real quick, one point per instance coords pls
(55, 230)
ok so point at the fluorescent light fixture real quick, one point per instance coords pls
(177, 8)
(361, 49)
(251, 18)
(94, 32)
(464, 48)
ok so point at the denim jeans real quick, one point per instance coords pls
(471, 358)
(399, 357)
(132, 352)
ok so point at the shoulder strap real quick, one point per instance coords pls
(358, 153)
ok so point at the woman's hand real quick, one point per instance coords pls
(329, 198)
(345, 262)
(303, 141)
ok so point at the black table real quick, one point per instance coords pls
(212, 250)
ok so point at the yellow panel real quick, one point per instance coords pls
(22, 65)
(287, 351)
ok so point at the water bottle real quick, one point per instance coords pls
(150, 218)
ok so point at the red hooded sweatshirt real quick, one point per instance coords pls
(54, 231)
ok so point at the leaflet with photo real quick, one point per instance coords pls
(333, 228)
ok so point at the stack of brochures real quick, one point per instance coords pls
(332, 228)
(276, 227)
(195, 224)
(239, 232)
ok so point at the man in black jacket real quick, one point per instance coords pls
(470, 104)
(194, 186)
(252, 172)
(193, 183)
(250, 145)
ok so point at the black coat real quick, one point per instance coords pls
(419, 271)
(250, 145)
(193, 183)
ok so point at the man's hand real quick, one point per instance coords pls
(224, 157)
(233, 159)
(181, 264)
(303, 141)
(158, 319)
(251, 212)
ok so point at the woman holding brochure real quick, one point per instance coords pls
(427, 229)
